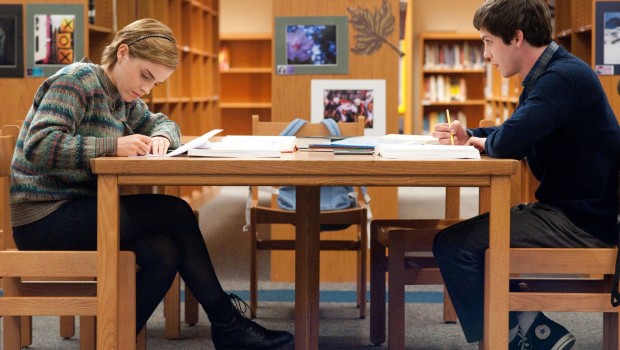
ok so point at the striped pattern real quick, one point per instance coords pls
(77, 114)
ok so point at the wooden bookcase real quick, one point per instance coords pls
(190, 97)
(501, 95)
(453, 74)
(573, 27)
(245, 81)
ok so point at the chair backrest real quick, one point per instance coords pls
(8, 137)
(310, 129)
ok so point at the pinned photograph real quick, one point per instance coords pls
(11, 42)
(607, 37)
(55, 37)
(311, 45)
(345, 101)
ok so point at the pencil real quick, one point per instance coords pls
(450, 122)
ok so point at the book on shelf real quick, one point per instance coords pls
(427, 152)
(233, 146)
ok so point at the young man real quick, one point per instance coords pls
(564, 127)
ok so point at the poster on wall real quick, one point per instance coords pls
(11, 42)
(607, 37)
(346, 100)
(54, 37)
(312, 45)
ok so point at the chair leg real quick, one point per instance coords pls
(396, 294)
(141, 340)
(26, 335)
(611, 330)
(11, 325)
(67, 326)
(172, 309)
(449, 314)
(362, 263)
(377, 288)
(253, 268)
(191, 308)
(88, 332)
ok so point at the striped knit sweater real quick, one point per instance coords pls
(77, 115)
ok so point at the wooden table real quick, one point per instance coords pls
(308, 171)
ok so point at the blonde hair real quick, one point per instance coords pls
(147, 39)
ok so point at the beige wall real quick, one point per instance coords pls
(245, 16)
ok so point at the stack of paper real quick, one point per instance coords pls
(421, 151)
(246, 146)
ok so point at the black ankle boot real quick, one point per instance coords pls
(239, 332)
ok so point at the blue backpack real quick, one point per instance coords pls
(332, 197)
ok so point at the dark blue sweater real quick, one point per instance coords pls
(567, 131)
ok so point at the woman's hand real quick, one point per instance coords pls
(443, 131)
(160, 145)
(133, 145)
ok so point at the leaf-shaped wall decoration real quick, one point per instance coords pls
(372, 29)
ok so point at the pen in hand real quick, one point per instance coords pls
(128, 130)
(450, 122)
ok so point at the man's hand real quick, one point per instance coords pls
(443, 130)
(133, 145)
(477, 142)
(160, 145)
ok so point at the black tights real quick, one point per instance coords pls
(161, 230)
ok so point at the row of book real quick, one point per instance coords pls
(463, 55)
(441, 88)
(433, 118)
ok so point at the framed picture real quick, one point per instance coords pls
(607, 37)
(54, 37)
(346, 100)
(11, 42)
(312, 45)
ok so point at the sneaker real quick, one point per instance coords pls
(241, 333)
(544, 334)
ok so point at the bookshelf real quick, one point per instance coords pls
(245, 73)
(573, 27)
(453, 74)
(501, 95)
(190, 97)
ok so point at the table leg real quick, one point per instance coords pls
(497, 274)
(307, 268)
(108, 249)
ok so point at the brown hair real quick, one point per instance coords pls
(147, 39)
(503, 18)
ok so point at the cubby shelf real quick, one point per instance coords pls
(245, 79)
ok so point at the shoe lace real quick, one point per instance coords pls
(239, 304)
(524, 343)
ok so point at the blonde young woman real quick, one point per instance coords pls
(87, 110)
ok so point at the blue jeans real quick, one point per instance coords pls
(460, 251)
(161, 230)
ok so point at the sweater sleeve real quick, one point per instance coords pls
(151, 124)
(51, 141)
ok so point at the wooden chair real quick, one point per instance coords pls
(566, 280)
(44, 282)
(270, 215)
(402, 249)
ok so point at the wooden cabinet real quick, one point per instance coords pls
(245, 75)
(190, 97)
(453, 74)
